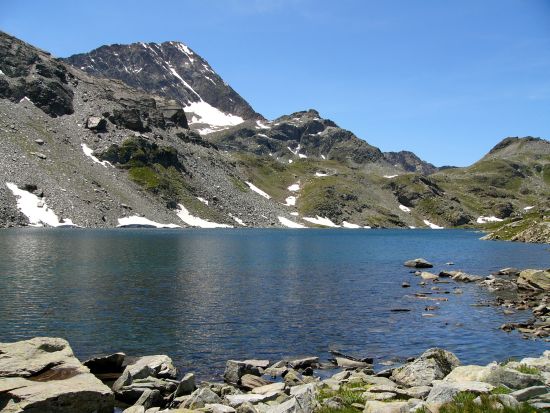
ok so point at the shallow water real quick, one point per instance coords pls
(205, 296)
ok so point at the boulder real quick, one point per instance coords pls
(534, 279)
(250, 381)
(268, 388)
(96, 124)
(444, 392)
(303, 400)
(201, 397)
(418, 263)
(386, 407)
(529, 393)
(235, 369)
(494, 374)
(150, 398)
(186, 385)
(428, 276)
(219, 408)
(42, 375)
(149, 372)
(246, 408)
(236, 400)
(433, 364)
(304, 362)
(542, 363)
(106, 364)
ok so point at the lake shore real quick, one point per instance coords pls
(42, 374)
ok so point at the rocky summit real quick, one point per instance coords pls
(148, 135)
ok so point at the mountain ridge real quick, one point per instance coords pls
(101, 153)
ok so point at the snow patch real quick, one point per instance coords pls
(187, 85)
(2, 73)
(367, 227)
(290, 224)
(390, 176)
(431, 225)
(321, 221)
(137, 221)
(302, 156)
(89, 151)
(210, 79)
(290, 161)
(261, 125)
(527, 208)
(404, 208)
(194, 221)
(320, 174)
(290, 201)
(26, 99)
(257, 190)
(412, 227)
(212, 116)
(349, 225)
(204, 201)
(294, 151)
(238, 220)
(294, 214)
(35, 209)
(485, 220)
(323, 156)
(263, 135)
(294, 187)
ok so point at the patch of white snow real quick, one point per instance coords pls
(294, 187)
(257, 190)
(431, 225)
(404, 208)
(89, 153)
(390, 176)
(35, 209)
(321, 221)
(320, 174)
(485, 220)
(290, 201)
(204, 201)
(194, 221)
(349, 225)
(290, 224)
(137, 221)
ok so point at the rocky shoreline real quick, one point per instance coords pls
(514, 290)
(42, 375)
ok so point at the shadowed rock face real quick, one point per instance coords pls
(30, 73)
(170, 69)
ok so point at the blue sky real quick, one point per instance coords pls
(445, 79)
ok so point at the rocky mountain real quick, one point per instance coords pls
(95, 152)
(410, 162)
(173, 70)
(92, 151)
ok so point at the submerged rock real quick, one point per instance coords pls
(418, 263)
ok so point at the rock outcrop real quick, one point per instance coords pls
(42, 375)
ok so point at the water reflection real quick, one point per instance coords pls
(206, 296)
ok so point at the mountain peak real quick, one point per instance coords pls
(174, 70)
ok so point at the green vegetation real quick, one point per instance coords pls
(523, 368)
(464, 403)
(347, 395)
(501, 390)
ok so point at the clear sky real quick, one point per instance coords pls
(445, 79)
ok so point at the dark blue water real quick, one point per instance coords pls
(205, 296)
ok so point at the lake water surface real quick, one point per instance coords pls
(205, 296)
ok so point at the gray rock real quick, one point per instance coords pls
(59, 381)
(150, 398)
(268, 388)
(236, 400)
(186, 385)
(96, 123)
(246, 407)
(529, 393)
(106, 364)
(433, 364)
(235, 369)
(418, 263)
(148, 366)
(444, 392)
(304, 362)
(494, 374)
(534, 279)
(250, 381)
(219, 408)
(200, 397)
(386, 407)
